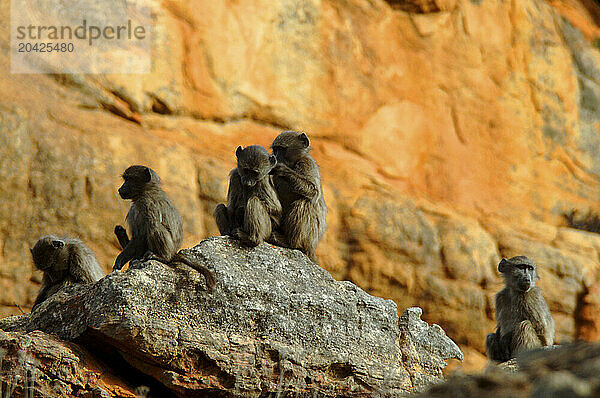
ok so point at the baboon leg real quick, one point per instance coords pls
(130, 251)
(237, 217)
(301, 228)
(222, 219)
(495, 349)
(524, 338)
(160, 242)
(121, 235)
(257, 223)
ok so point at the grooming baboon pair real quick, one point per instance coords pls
(276, 198)
(156, 227)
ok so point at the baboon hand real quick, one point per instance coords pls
(279, 169)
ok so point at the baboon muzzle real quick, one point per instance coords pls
(525, 286)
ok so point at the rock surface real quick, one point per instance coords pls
(275, 323)
(448, 135)
(39, 365)
(566, 371)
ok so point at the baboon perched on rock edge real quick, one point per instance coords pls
(297, 181)
(253, 209)
(155, 224)
(64, 261)
(523, 318)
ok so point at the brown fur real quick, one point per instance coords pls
(155, 224)
(298, 184)
(253, 209)
(64, 261)
(524, 319)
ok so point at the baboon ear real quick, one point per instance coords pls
(147, 174)
(57, 244)
(503, 266)
(272, 160)
(304, 140)
(238, 151)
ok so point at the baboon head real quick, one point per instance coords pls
(289, 146)
(138, 179)
(254, 164)
(520, 273)
(47, 252)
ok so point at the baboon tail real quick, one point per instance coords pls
(209, 276)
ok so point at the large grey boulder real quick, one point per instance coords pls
(275, 322)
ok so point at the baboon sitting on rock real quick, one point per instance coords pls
(64, 261)
(297, 181)
(253, 209)
(155, 224)
(524, 319)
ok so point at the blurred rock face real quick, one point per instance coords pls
(446, 141)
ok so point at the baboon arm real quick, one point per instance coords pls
(272, 204)
(547, 336)
(257, 223)
(524, 338)
(541, 318)
(235, 197)
(41, 296)
(300, 184)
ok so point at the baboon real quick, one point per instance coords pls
(298, 185)
(523, 318)
(64, 261)
(156, 226)
(253, 209)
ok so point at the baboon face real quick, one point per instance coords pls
(520, 273)
(289, 146)
(254, 164)
(45, 251)
(136, 179)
